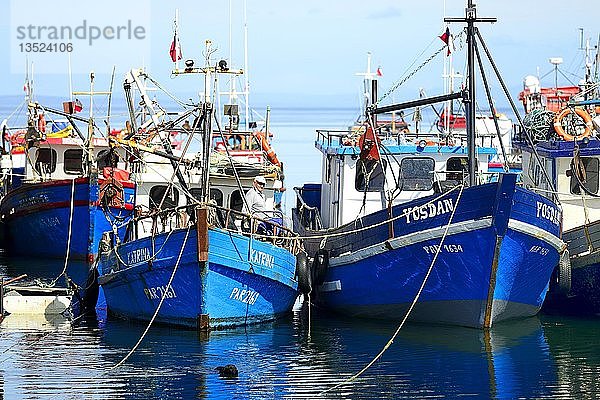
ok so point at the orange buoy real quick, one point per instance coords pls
(271, 156)
(587, 119)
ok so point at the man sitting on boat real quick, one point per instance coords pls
(255, 197)
(256, 205)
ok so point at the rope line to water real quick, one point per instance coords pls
(408, 312)
(64, 271)
(162, 299)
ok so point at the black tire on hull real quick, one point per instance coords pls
(303, 273)
(319, 266)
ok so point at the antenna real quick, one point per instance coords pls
(556, 61)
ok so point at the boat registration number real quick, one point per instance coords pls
(243, 295)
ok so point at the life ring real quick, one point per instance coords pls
(582, 114)
(18, 138)
(41, 123)
(271, 156)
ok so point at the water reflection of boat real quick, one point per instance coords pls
(511, 360)
(572, 343)
(35, 322)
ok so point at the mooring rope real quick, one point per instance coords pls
(64, 271)
(414, 302)
(162, 299)
(365, 228)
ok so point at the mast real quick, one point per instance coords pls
(207, 107)
(470, 18)
(246, 77)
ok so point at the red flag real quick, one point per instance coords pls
(77, 106)
(175, 51)
(447, 38)
(379, 71)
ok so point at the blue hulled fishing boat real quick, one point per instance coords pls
(196, 257)
(70, 189)
(199, 278)
(564, 126)
(406, 225)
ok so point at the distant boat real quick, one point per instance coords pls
(564, 126)
(407, 221)
(196, 259)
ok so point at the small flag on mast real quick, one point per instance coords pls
(175, 50)
(379, 71)
(447, 38)
(77, 106)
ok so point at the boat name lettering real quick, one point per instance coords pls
(539, 249)
(49, 221)
(258, 257)
(157, 292)
(138, 255)
(243, 295)
(32, 201)
(447, 248)
(428, 210)
(548, 212)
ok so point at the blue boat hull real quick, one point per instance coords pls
(37, 218)
(494, 263)
(243, 282)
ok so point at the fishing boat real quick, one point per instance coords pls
(564, 122)
(71, 188)
(412, 227)
(196, 257)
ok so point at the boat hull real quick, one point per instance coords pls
(494, 262)
(243, 282)
(37, 218)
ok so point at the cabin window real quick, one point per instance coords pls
(45, 161)
(236, 202)
(587, 172)
(328, 167)
(457, 168)
(160, 192)
(215, 194)
(73, 161)
(370, 175)
(416, 173)
(535, 171)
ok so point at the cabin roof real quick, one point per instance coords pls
(402, 149)
(561, 148)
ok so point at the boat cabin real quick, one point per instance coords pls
(63, 158)
(570, 166)
(353, 187)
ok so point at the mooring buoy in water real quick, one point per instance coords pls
(228, 371)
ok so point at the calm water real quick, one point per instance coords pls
(545, 357)
(540, 357)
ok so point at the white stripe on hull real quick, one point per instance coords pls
(436, 233)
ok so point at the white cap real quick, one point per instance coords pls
(260, 179)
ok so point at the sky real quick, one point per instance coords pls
(302, 54)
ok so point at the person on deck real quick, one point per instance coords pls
(255, 197)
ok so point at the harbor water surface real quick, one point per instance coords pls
(307, 355)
